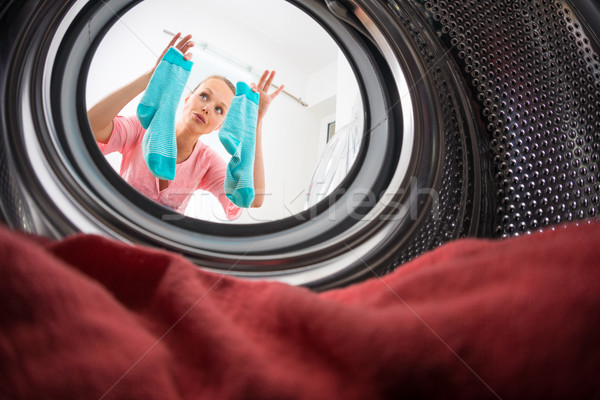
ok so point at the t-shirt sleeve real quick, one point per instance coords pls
(214, 181)
(126, 132)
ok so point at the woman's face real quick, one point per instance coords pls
(206, 108)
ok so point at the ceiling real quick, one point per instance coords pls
(282, 27)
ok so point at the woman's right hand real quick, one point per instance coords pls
(101, 115)
(184, 45)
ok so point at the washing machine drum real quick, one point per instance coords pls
(481, 119)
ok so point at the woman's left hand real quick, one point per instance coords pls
(264, 84)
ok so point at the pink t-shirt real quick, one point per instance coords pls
(204, 169)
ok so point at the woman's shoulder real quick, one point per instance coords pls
(127, 124)
(127, 133)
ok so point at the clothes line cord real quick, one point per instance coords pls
(231, 60)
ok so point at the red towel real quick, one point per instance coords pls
(90, 318)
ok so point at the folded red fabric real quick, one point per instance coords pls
(91, 318)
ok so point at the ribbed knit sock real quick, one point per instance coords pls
(238, 135)
(156, 112)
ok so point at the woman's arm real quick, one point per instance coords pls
(102, 114)
(259, 169)
(264, 102)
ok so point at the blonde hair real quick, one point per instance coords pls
(229, 84)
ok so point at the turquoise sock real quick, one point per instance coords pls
(156, 113)
(238, 135)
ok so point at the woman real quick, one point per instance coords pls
(198, 166)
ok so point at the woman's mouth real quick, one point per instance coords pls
(199, 118)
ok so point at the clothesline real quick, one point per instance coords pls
(240, 64)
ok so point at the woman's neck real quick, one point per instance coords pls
(186, 141)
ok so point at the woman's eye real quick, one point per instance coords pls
(219, 110)
(203, 96)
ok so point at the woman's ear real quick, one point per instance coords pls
(188, 96)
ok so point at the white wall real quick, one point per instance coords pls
(292, 134)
